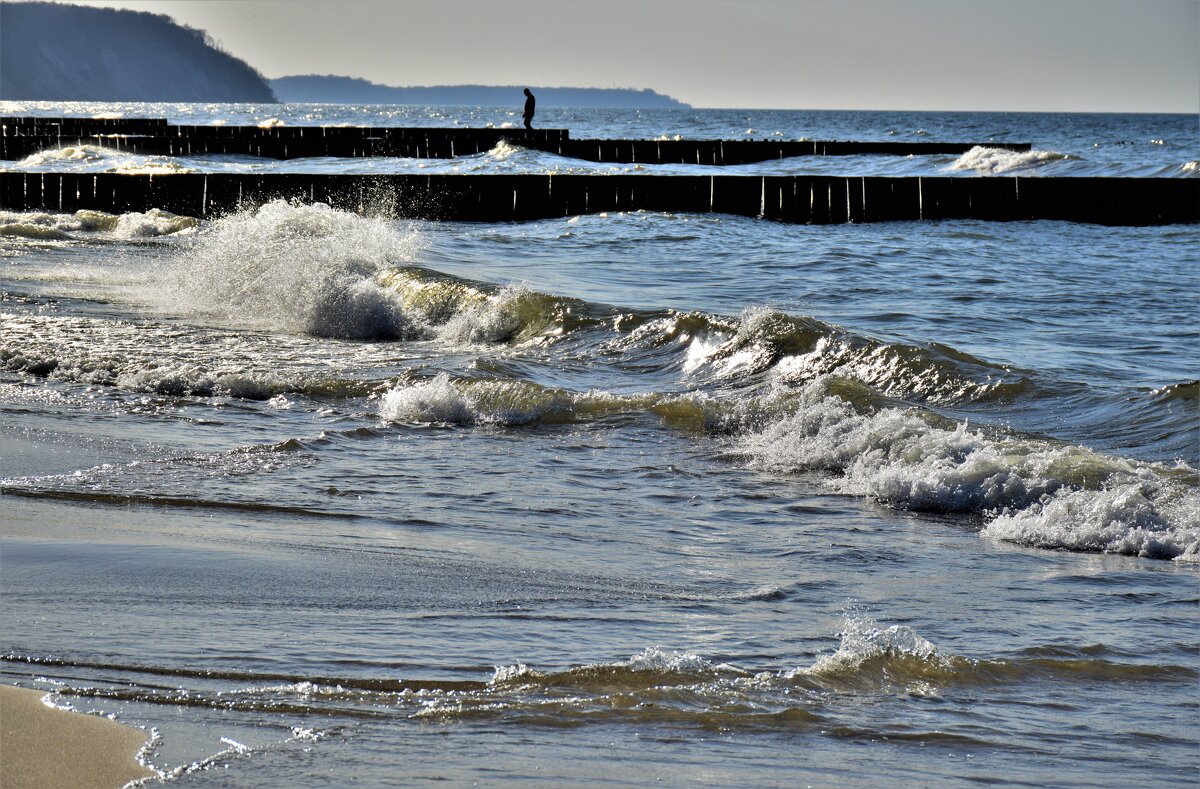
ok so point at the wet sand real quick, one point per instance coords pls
(45, 747)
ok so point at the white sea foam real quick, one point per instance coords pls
(441, 401)
(662, 660)
(1126, 518)
(433, 401)
(148, 224)
(151, 166)
(187, 380)
(504, 674)
(503, 150)
(1034, 492)
(68, 153)
(1000, 160)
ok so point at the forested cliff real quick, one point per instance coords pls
(54, 52)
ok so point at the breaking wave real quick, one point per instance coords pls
(99, 159)
(314, 270)
(462, 312)
(300, 268)
(1028, 491)
(788, 394)
(990, 161)
(443, 400)
(1033, 492)
(797, 349)
(501, 403)
(133, 225)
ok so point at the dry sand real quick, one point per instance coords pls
(44, 747)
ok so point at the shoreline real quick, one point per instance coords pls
(48, 747)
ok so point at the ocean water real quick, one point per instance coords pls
(624, 499)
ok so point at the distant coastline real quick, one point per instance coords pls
(61, 52)
(333, 89)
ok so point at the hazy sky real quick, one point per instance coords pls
(1064, 55)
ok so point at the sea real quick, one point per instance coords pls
(324, 499)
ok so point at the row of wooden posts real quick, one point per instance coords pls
(21, 137)
(504, 198)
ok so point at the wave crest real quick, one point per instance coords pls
(439, 401)
(460, 312)
(99, 159)
(869, 656)
(799, 349)
(1034, 491)
(990, 161)
(148, 224)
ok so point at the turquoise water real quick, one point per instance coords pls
(617, 499)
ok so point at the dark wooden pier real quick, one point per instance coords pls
(505, 198)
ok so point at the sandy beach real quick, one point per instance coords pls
(44, 747)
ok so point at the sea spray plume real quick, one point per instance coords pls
(298, 268)
(433, 401)
(874, 658)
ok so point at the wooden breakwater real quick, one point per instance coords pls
(12, 123)
(22, 137)
(288, 142)
(505, 198)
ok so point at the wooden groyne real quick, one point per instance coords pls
(295, 142)
(148, 137)
(13, 122)
(505, 198)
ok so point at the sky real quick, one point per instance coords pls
(1004, 55)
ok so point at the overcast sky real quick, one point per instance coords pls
(1041, 55)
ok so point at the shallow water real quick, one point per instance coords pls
(625, 498)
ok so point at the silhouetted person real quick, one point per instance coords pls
(530, 103)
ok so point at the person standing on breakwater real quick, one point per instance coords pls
(530, 103)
